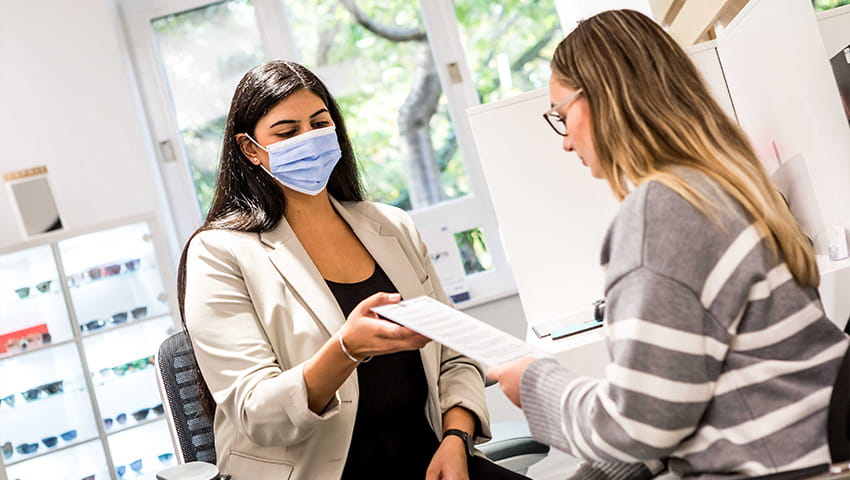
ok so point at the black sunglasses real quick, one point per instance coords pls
(46, 390)
(136, 313)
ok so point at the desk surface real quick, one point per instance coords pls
(583, 353)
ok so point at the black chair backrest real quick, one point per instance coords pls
(838, 419)
(189, 404)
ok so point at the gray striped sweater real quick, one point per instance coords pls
(720, 362)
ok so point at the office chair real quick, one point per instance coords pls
(189, 408)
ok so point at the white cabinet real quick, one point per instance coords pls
(81, 317)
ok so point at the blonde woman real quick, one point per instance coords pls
(722, 361)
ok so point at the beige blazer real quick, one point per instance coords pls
(257, 308)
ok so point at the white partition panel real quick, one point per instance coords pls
(704, 56)
(552, 214)
(787, 101)
(834, 27)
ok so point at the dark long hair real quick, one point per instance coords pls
(247, 199)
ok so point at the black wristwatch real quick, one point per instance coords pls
(467, 439)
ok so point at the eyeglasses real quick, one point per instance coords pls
(42, 391)
(7, 450)
(43, 287)
(9, 399)
(555, 120)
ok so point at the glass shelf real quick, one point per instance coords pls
(139, 451)
(77, 462)
(32, 308)
(44, 395)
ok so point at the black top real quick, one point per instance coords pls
(392, 437)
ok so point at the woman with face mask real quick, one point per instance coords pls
(275, 290)
(722, 362)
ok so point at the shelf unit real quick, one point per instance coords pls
(81, 316)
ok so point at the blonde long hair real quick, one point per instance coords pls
(651, 111)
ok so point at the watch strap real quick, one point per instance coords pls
(467, 438)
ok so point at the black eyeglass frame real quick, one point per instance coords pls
(554, 119)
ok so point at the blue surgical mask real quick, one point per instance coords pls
(304, 163)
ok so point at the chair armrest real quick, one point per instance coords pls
(190, 471)
(511, 439)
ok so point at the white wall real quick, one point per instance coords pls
(572, 11)
(69, 102)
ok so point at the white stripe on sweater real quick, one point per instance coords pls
(611, 450)
(757, 428)
(574, 391)
(667, 338)
(779, 331)
(658, 387)
(638, 431)
(583, 446)
(768, 369)
(729, 261)
(774, 278)
(818, 456)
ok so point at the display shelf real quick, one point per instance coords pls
(77, 462)
(138, 446)
(81, 317)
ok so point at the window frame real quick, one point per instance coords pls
(474, 210)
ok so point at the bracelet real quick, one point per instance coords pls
(345, 351)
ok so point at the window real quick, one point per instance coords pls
(204, 52)
(823, 5)
(399, 70)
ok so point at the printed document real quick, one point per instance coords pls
(459, 331)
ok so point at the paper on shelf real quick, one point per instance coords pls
(459, 331)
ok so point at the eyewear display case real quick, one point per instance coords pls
(81, 317)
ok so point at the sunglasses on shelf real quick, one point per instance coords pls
(136, 466)
(138, 415)
(95, 324)
(96, 273)
(116, 319)
(113, 269)
(139, 364)
(43, 287)
(121, 419)
(27, 448)
(7, 450)
(165, 457)
(136, 313)
(51, 442)
(42, 391)
(9, 399)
